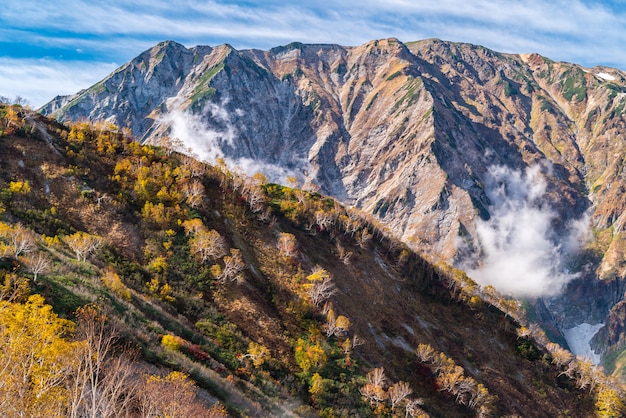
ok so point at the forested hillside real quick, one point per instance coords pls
(141, 282)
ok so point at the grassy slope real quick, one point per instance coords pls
(393, 303)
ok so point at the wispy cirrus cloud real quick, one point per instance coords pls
(40, 80)
(583, 31)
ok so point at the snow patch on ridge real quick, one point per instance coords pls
(606, 76)
(579, 337)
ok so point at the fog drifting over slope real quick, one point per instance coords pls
(521, 256)
(207, 141)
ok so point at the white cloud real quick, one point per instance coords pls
(521, 255)
(207, 142)
(573, 29)
(585, 32)
(39, 81)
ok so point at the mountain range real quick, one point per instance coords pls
(488, 161)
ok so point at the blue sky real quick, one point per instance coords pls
(50, 47)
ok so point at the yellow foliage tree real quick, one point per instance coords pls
(258, 353)
(172, 342)
(158, 265)
(609, 403)
(166, 293)
(14, 288)
(193, 226)
(163, 292)
(19, 187)
(317, 384)
(157, 213)
(13, 121)
(114, 283)
(83, 244)
(309, 356)
(35, 359)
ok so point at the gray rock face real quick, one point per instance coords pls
(130, 94)
(406, 132)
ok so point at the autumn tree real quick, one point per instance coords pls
(194, 193)
(336, 325)
(287, 244)
(523, 332)
(255, 198)
(343, 254)
(207, 245)
(425, 353)
(451, 378)
(610, 402)
(193, 226)
(398, 392)
(317, 384)
(114, 283)
(363, 238)
(38, 263)
(374, 390)
(258, 353)
(560, 356)
(83, 244)
(22, 240)
(195, 167)
(13, 120)
(14, 288)
(36, 358)
(324, 219)
(103, 382)
(309, 355)
(161, 290)
(320, 286)
(588, 375)
(233, 266)
(413, 410)
(172, 342)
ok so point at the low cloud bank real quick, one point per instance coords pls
(522, 254)
(207, 141)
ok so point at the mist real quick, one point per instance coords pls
(207, 141)
(521, 253)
